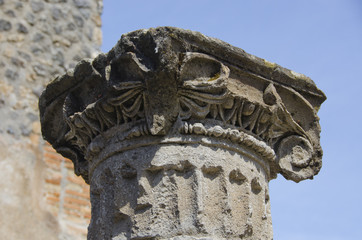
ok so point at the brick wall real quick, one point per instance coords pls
(40, 198)
(67, 195)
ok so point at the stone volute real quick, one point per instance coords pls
(179, 134)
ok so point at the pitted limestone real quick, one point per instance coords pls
(179, 134)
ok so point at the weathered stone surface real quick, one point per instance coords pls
(179, 134)
(186, 191)
(31, 53)
(33, 49)
(4, 25)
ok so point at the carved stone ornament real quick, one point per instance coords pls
(182, 94)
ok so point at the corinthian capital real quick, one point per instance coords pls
(174, 83)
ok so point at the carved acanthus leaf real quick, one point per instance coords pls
(106, 113)
(232, 94)
(268, 119)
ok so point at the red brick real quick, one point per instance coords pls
(55, 181)
(87, 215)
(53, 164)
(71, 206)
(54, 194)
(78, 194)
(77, 230)
(52, 199)
(77, 201)
(77, 210)
(53, 156)
(72, 213)
(49, 148)
(76, 180)
(69, 165)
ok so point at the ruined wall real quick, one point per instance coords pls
(66, 195)
(40, 198)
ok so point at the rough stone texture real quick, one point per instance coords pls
(66, 195)
(199, 189)
(38, 40)
(179, 134)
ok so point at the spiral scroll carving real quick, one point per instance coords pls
(195, 92)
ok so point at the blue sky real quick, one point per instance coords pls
(319, 38)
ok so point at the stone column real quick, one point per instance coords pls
(179, 134)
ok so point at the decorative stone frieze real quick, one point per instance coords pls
(179, 134)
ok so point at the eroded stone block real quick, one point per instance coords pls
(178, 135)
